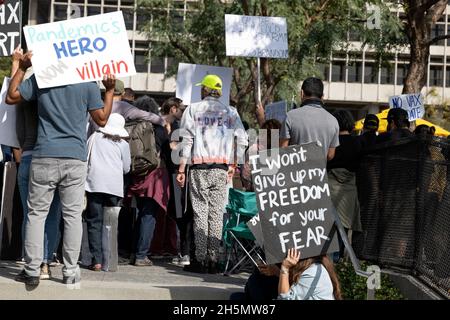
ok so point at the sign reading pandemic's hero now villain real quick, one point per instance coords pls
(10, 16)
(80, 50)
(293, 197)
(250, 36)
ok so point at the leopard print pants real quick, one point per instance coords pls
(208, 189)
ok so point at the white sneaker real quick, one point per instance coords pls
(21, 261)
(185, 260)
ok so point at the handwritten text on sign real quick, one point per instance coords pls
(249, 36)
(412, 103)
(80, 50)
(294, 201)
(9, 27)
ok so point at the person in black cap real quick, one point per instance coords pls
(398, 126)
(369, 133)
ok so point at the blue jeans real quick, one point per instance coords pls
(52, 233)
(148, 208)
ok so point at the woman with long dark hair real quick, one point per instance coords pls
(308, 279)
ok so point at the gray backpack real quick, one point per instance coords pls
(144, 154)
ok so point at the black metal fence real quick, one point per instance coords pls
(404, 192)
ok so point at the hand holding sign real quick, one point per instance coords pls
(293, 257)
(17, 54)
(25, 61)
(109, 81)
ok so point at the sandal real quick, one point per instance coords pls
(95, 267)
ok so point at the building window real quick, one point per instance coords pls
(447, 77)
(355, 72)
(157, 65)
(324, 71)
(60, 12)
(436, 76)
(140, 61)
(338, 71)
(438, 30)
(128, 16)
(370, 72)
(92, 11)
(402, 71)
(387, 75)
(43, 11)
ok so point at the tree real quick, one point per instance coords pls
(314, 29)
(421, 15)
(5, 68)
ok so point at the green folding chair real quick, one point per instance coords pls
(237, 236)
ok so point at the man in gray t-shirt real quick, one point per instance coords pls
(58, 163)
(311, 122)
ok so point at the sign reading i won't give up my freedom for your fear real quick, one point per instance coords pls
(293, 198)
(80, 50)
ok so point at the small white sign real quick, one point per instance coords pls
(8, 135)
(276, 110)
(191, 74)
(250, 36)
(412, 103)
(80, 50)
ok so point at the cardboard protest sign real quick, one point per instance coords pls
(10, 25)
(293, 197)
(191, 74)
(250, 36)
(80, 50)
(8, 135)
(254, 224)
(412, 103)
(276, 110)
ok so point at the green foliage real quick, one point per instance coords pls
(354, 286)
(5, 68)
(315, 28)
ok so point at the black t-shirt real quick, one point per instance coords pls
(162, 140)
(347, 154)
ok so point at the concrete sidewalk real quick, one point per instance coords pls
(163, 281)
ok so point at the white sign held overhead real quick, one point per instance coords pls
(8, 135)
(191, 74)
(412, 103)
(256, 36)
(80, 50)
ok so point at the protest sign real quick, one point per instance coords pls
(10, 20)
(80, 50)
(260, 37)
(412, 103)
(191, 74)
(293, 197)
(8, 135)
(276, 110)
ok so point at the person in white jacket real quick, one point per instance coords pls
(108, 160)
(212, 135)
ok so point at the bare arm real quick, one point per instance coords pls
(100, 116)
(13, 96)
(284, 143)
(16, 56)
(260, 114)
(331, 153)
(291, 260)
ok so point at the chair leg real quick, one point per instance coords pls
(248, 253)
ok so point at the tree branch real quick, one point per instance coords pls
(185, 51)
(439, 38)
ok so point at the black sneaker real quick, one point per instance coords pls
(28, 280)
(213, 268)
(196, 267)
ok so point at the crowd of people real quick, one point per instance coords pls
(84, 156)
